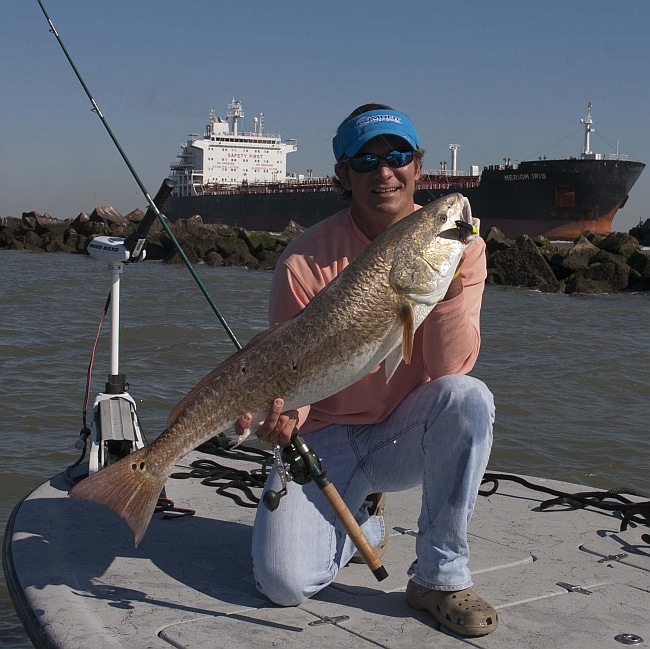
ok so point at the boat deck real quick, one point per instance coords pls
(561, 578)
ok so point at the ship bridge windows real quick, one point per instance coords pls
(565, 195)
(268, 142)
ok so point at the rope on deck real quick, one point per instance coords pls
(612, 500)
(228, 480)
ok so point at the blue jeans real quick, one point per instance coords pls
(440, 436)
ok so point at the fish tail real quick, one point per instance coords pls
(127, 488)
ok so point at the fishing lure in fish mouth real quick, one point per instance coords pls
(466, 230)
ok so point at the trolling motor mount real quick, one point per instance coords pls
(115, 431)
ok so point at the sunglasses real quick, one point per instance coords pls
(396, 158)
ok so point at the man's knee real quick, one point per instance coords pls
(469, 403)
(281, 594)
(465, 392)
(284, 588)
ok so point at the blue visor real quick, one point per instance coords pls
(354, 133)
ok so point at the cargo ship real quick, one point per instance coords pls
(240, 178)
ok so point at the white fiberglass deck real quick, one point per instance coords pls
(558, 578)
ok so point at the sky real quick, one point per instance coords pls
(502, 79)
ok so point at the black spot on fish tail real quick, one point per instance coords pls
(126, 488)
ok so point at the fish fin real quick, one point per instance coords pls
(127, 488)
(408, 332)
(402, 352)
(392, 362)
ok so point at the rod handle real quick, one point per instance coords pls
(354, 531)
(339, 507)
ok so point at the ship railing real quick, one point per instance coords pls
(182, 168)
(445, 172)
(449, 184)
(618, 156)
(296, 187)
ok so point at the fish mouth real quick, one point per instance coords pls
(463, 232)
(452, 233)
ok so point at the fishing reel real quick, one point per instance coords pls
(297, 463)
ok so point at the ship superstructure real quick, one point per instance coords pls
(225, 158)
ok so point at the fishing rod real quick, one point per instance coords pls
(155, 212)
(300, 449)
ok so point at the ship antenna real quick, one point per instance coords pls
(150, 200)
(588, 122)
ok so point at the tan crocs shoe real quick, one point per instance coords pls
(462, 611)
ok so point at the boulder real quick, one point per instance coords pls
(620, 243)
(640, 262)
(43, 224)
(80, 222)
(108, 214)
(109, 222)
(522, 264)
(598, 278)
(578, 256)
(495, 240)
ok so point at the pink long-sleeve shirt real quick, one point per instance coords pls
(447, 342)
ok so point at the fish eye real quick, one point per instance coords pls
(443, 217)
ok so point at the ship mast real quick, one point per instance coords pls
(587, 121)
(235, 113)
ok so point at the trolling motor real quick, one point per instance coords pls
(299, 463)
(115, 431)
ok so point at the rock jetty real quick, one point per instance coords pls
(592, 264)
(217, 245)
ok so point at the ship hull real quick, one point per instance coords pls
(270, 212)
(559, 199)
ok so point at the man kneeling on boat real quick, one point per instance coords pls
(431, 424)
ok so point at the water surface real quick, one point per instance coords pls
(570, 375)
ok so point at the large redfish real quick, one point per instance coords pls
(367, 314)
